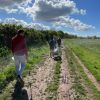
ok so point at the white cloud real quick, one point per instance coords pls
(54, 11)
(14, 21)
(11, 10)
(37, 26)
(11, 6)
(48, 10)
(73, 23)
(42, 9)
(0, 20)
(81, 11)
(7, 3)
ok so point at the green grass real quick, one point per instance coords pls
(35, 56)
(80, 78)
(89, 52)
(75, 75)
(53, 86)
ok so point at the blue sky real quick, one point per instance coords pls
(93, 15)
(79, 17)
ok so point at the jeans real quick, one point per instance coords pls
(20, 62)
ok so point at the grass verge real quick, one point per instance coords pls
(89, 52)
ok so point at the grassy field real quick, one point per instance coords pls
(88, 50)
(80, 79)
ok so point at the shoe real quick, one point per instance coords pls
(20, 80)
(18, 76)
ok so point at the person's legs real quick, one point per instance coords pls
(22, 68)
(20, 65)
(22, 61)
(51, 52)
(17, 64)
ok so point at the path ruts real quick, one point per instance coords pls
(88, 73)
(65, 83)
(42, 76)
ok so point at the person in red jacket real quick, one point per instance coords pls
(19, 51)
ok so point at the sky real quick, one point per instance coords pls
(80, 17)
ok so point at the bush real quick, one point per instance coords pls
(10, 73)
(4, 51)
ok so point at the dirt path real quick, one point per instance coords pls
(65, 83)
(35, 83)
(88, 73)
(39, 80)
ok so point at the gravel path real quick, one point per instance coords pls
(36, 82)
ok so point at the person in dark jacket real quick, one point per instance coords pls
(19, 51)
(59, 42)
(52, 44)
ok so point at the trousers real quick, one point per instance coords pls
(20, 62)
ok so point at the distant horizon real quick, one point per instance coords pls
(81, 35)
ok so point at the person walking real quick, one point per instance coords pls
(19, 51)
(52, 44)
(59, 42)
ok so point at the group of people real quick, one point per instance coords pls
(20, 52)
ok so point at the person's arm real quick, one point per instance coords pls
(25, 48)
(12, 47)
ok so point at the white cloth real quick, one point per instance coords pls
(20, 62)
(56, 50)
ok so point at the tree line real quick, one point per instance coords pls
(7, 31)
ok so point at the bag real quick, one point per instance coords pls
(56, 51)
(12, 58)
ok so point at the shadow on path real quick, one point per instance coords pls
(19, 93)
(58, 58)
